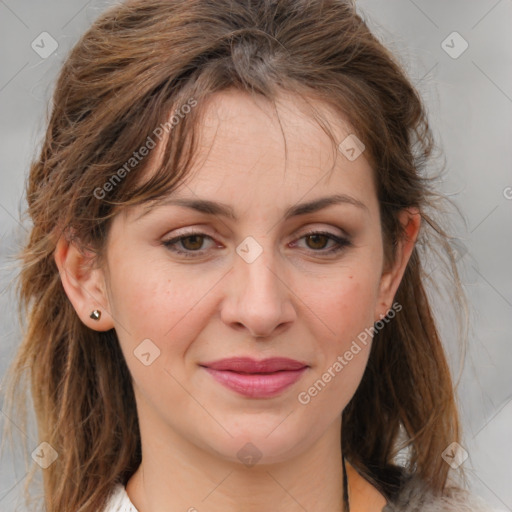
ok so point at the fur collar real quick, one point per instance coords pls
(415, 496)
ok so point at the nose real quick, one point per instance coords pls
(258, 299)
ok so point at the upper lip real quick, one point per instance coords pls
(249, 365)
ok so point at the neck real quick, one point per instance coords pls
(177, 475)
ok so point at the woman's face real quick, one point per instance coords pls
(251, 284)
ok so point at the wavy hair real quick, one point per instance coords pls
(140, 61)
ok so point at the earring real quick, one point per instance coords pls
(96, 314)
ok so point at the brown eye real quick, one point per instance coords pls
(187, 245)
(195, 244)
(319, 241)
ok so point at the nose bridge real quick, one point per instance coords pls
(262, 302)
(256, 267)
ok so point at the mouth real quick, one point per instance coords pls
(256, 379)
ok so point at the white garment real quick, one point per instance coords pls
(119, 501)
(414, 497)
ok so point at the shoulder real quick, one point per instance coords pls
(396, 490)
(415, 496)
(119, 501)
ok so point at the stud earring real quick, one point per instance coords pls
(96, 314)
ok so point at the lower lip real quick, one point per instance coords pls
(255, 385)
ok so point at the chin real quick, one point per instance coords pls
(251, 446)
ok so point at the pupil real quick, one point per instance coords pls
(193, 237)
(316, 237)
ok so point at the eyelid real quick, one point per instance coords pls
(315, 227)
(341, 242)
(299, 234)
(319, 227)
(177, 238)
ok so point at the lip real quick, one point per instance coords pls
(249, 365)
(256, 379)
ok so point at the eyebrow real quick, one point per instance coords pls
(216, 208)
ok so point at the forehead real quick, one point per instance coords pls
(239, 122)
(260, 154)
(288, 138)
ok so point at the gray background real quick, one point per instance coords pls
(469, 100)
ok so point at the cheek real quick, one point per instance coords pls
(356, 300)
(157, 315)
(150, 303)
(344, 303)
(343, 343)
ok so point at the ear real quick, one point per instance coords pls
(83, 284)
(410, 218)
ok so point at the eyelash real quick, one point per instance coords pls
(341, 243)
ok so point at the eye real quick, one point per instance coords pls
(191, 242)
(190, 245)
(317, 241)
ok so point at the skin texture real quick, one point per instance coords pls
(294, 300)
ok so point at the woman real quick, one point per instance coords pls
(223, 283)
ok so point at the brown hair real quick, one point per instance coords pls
(141, 60)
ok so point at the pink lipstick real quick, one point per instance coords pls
(256, 379)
